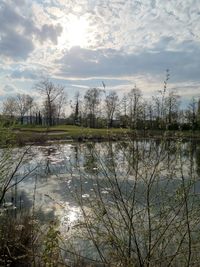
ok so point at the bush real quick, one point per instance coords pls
(16, 240)
(142, 209)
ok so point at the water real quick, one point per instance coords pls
(95, 174)
(58, 167)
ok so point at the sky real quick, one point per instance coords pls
(80, 43)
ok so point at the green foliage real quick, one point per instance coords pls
(6, 135)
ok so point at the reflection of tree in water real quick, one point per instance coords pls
(110, 155)
(17, 202)
(20, 203)
(189, 152)
(90, 158)
(76, 150)
(52, 161)
(50, 151)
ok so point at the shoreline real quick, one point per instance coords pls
(24, 136)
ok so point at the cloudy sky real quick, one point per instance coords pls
(79, 43)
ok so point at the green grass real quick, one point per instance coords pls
(25, 134)
(71, 130)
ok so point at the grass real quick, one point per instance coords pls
(70, 131)
(38, 134)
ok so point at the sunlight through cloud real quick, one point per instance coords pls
(75, 32)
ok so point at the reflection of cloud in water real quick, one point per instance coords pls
(85, 195)
(67, 215)
(106, 191)
(47, 193)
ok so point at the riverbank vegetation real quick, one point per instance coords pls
(69, 133)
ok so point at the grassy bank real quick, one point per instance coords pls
(68, 132)
(36, 134)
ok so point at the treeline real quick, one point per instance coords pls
(99, 108)
(47, 109)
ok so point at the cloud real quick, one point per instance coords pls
(9, 88)
(80, 86)
(7, 91)
(128, 41)
(183, 64)
(134, 25)
(50, 32)
(15, 45)
(18, 31)
(27, 74)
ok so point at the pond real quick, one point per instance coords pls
(105, 177)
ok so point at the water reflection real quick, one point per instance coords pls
(66, 171)
(90, 158)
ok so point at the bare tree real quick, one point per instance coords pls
(61, 103)
(172, 107)
(76, 109)
(18, 106)
(111, 103)
(9, 107)
(92, 102)
(191, 113)
(53, 99)
(122, 112)
(135, 106)
(156, 102)
(23, 103)
(160, 103)
(150, 114)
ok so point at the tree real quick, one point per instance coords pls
(191, 113)
(172, 107)
(123, 111)
(111, 103)
(19, 105)
(135, 106)
(53, 99)
(156, 108)
(60, 103)
(9, 107)
(161, 103)
(150, 114)
(76, 109)
(92, 102)
(23, 104)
